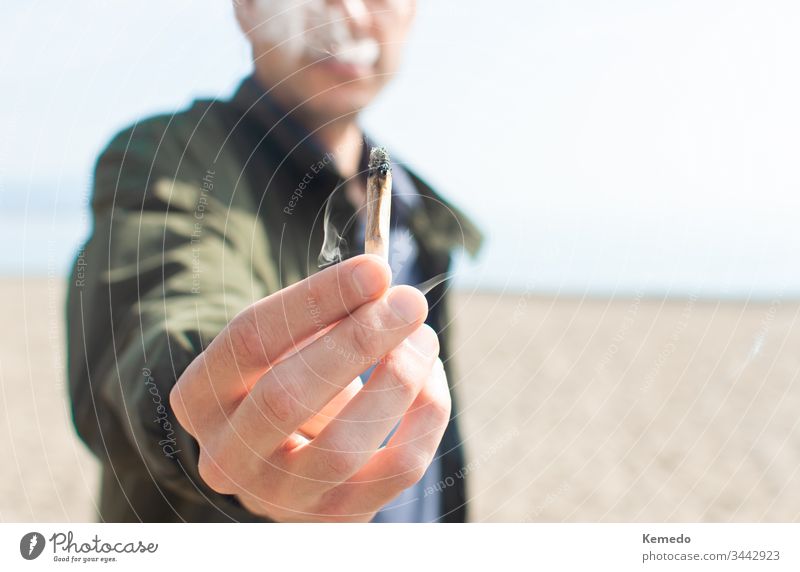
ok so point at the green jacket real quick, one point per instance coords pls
(197, 215)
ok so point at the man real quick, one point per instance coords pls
(214, 369)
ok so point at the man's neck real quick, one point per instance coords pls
(342, 138)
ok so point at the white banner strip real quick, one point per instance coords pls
(401, 547)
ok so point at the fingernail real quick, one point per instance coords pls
(368, 279)
(424, 341)
(406, 305)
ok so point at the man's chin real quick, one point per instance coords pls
(334, 112)
(342, 100)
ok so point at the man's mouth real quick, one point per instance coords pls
(362, 53)
(316, 30)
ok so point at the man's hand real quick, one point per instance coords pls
(276, 407)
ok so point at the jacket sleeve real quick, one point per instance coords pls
(165, 269)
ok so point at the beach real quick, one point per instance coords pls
(571, 409)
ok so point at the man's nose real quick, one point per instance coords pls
(357, 14)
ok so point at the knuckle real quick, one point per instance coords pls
(365, 340)
(277, 403)
(212, 472)
(244, 339)
(404, 385)
(425, 337)
(178, 405)
(410, 467)
(184, 403)
(339, 465)
(438, 410)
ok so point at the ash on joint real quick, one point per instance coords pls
(379, 163)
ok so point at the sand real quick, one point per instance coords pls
(572, 409)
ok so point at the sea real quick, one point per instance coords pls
(42, 227)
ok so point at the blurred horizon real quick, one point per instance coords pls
(620, 149)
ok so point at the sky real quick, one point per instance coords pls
(611, 147)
